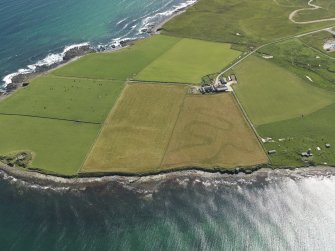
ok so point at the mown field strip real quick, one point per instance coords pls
(121, 64)
(188, 61)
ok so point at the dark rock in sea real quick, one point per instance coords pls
(11, 87)
(20, 78)
(43, 68)
(126, 42)
(77, 51)
(247, 171)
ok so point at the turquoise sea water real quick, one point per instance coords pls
(186, 213)
(30, 30)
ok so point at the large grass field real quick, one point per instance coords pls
(119, 65)
(136, 134)
(212, 132)
(270, 93)
(255, 21)
(188, 61)
(301, 134)
(159, 127)
(59, 146)
(64, 98)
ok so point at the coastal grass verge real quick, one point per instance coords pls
(64, 98)
(121, 64)
(188, 61)
(212, 132)
(134, 136)
(58, 147)
(271, 93)
(292, 137)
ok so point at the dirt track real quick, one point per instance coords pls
(313, 7)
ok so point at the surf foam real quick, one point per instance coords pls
(49, 60)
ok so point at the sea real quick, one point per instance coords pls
(270, 210)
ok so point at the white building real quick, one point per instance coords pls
(329, 45)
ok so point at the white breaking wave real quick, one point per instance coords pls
(50, 59)
(151, 20)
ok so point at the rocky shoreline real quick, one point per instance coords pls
(149, 181)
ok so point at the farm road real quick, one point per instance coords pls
(313, 7)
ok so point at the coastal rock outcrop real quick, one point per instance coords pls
(77, 51)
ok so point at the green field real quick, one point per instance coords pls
(254, 21)
(58, 146)
(135, 136)
(271, 93)
(119, 65)
(64, 98)
(301, 134)
(188, 61)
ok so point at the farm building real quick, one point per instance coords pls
(221, 88)
(329, 45)
(213, 89)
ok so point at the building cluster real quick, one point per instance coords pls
(309, 153)
(221, 86)
(329, 45)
